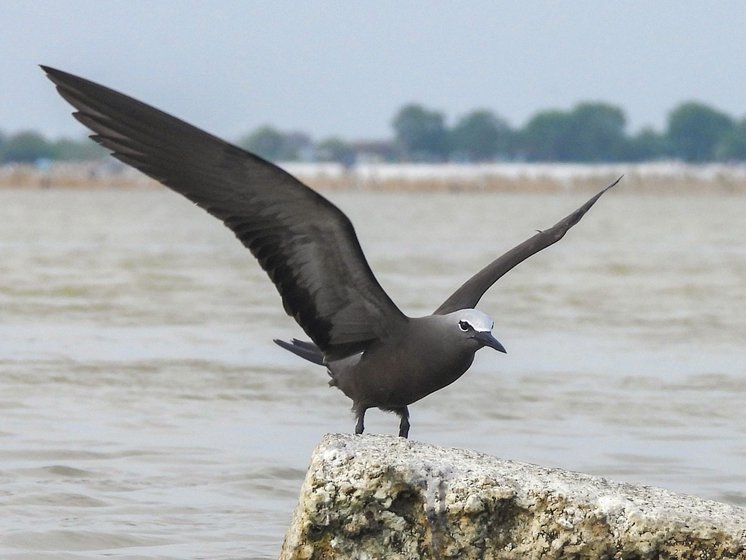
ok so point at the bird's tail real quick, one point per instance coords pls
(306, 350)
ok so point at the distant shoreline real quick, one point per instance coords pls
(493, 177)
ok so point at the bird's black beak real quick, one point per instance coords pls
(486, 338)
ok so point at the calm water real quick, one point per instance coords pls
(147, 414)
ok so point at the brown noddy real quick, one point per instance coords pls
(374, 353)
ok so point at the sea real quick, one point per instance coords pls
(145, 412)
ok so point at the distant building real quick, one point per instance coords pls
(375, 151)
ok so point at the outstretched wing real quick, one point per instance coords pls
(469, 294)
(305, 243)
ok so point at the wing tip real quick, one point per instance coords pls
(580, 212)
(614, 184)
(53, 73)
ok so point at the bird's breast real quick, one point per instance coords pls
(399, 374)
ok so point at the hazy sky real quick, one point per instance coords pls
(344, 68)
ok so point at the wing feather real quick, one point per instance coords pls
(307, 246)
(469, 294)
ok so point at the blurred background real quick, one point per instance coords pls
(146, 412)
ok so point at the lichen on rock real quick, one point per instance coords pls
(379, 497)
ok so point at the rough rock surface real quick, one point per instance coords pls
(378, 497)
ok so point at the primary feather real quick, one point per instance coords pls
(305, 243)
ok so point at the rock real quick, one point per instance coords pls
(378, 497)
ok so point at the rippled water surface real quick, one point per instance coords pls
(146, 412)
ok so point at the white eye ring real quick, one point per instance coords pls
(464, 325)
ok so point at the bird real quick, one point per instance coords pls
(374, 353)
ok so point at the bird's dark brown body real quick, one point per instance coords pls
(375, 354)
(376, 378)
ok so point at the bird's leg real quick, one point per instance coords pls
(360, 425)
(404, 424)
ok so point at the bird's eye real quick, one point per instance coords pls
(464, 325)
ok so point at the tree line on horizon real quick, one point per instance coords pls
(590, 132)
